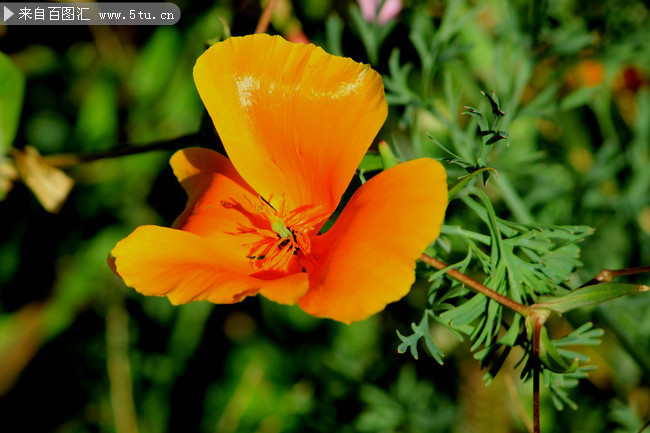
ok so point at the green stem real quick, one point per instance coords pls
(119, 369)
(466, 179)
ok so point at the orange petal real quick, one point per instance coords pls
(197, 169)
(185, 267)
(219, 200)
(294, 120)
(367, 259)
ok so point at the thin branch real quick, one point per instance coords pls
(607, 275)
(476, 286)
(265, 19)
(70, 159)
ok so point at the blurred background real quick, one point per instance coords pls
(80, 352)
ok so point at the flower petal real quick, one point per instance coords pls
(218, 198)
(197, 169)
(294, 120)
(367, 259)
(185, 267)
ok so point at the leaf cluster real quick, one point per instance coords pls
(520, 261)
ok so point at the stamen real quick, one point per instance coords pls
(281, 235)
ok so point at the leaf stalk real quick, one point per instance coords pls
(522, 309)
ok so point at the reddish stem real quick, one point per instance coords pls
(607, 275)
(537, 325)
(476, 286)
(265, 19)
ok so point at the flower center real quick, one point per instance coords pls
(281, 234)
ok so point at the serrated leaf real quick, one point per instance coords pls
(589, 295)
(398, 91)
(584, 335)
(466, 313)
(557, 383)
(420, 331)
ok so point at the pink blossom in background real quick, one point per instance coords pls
(390, 9)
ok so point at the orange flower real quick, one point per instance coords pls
(587, 73)
(295, 122)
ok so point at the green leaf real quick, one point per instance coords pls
(556, 383)
(584, 336)
(12, 86)
(498, 136)
(466, 313)
(97, 123)
(155, 65)
(589, 295)
(367, 34)
(480, 117)
(510, 337)
(494, 103)
(371, 162)
(578, 98)
(398, 91)
(420, 330)
(334, 34)
(551, 358)
(466, 179)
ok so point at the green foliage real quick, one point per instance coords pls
(522, 261)
(371, 34)
(12, 85)
(421, 330)
(628, 319)
(561, 368)
(549, 184)
(408, 406)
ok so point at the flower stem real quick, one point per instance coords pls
(119, 369)
(265, 19)
(607, 275)
(67, 160)
(537, 326)
(476, 286)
